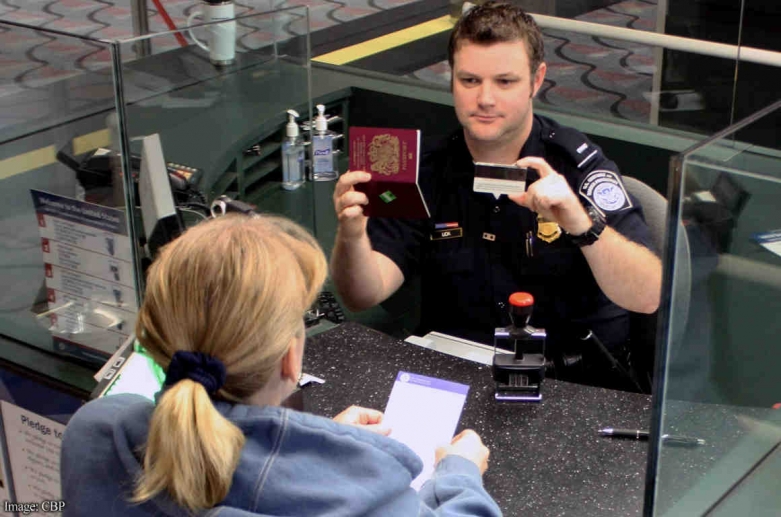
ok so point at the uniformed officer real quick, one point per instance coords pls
(575, 239)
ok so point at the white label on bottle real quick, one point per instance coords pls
(323, 156)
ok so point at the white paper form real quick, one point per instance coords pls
(769, 240)
(423, 413)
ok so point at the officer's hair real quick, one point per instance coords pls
(235, 288)
(498, 22)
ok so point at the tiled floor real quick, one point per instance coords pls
(611, 78)
(113, 20)
(29, 59)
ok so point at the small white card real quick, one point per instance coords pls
(769, 240)
(423, 413)
(496, 179)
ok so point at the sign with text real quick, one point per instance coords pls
(88, 266)
(33, 445)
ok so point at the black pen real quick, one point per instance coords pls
(637, 434)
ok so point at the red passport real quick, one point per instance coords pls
(392, 157)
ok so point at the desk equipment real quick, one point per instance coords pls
(162, 222)
(325, 307)
(455, 346)
(130, 370)
(95, 170)
(519, 374)
(224, 204)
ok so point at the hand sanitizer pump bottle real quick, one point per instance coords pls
(292, 155)
(323, 168)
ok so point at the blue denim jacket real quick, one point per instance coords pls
(293, 464)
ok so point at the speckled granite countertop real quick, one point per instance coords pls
(546, 459)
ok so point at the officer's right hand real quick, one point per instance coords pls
(348, 204)
(467, 444)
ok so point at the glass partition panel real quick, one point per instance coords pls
(66, 263)
(728, 92)
(719, 385)
(216, 93)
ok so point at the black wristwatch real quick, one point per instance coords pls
(592, 234)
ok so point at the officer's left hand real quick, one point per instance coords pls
(551, 197)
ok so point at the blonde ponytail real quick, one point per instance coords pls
(192, 450)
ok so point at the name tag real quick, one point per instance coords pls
(447, 233)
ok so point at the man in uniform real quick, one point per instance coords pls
(575, 239)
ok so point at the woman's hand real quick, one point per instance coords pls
(467, 444)
(365, 418)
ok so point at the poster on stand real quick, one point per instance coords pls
(5, 479)
(33, 444)
(88, 266)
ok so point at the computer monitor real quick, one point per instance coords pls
(730, 194)
(162, 222)
(130, 370)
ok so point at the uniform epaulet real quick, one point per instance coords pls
(601, 187)
(575, 144)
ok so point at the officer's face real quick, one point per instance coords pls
(493, 90)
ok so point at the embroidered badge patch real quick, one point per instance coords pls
(605, 191)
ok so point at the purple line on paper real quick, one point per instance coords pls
(773, 236)
(432, 382)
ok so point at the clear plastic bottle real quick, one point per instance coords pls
(292, 155)
(323, 167)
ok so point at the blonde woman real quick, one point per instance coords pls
(223, 314)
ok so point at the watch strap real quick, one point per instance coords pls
(591, 235)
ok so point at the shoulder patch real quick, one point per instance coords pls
(605, 190)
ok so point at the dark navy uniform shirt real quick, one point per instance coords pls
(466, 281)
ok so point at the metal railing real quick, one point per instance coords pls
(696, 46)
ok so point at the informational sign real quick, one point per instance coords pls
(88, 265)
(5, 479)
(33, 445)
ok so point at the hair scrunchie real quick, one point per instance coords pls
(197, 366)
